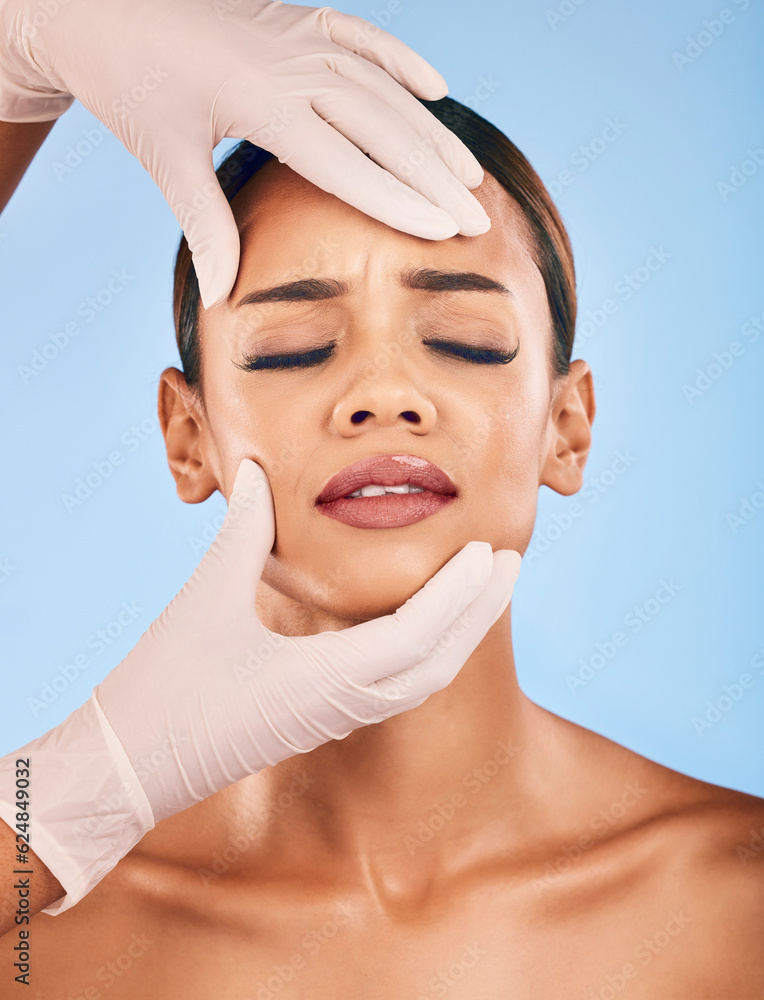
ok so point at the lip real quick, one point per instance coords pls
(387, 470)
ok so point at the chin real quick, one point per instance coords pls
(367, 594)
(353, 590)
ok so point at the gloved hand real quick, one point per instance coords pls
(209, 695)
(315, 87)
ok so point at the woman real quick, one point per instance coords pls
(477, 845)
(266, 65)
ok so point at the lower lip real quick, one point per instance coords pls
(394, 510)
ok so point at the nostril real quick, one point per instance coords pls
(360, 415)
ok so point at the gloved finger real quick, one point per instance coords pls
(237, 556)
(433, 135)
(402, 65)
(186, 177)
(443, 661)
(379, 130)
(386, 645)
(395, 57)
(343, 170)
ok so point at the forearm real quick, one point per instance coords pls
(19, 141)
(42, 886)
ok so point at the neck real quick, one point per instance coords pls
(393, 799)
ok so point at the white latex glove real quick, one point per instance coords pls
(315, 87)
(209, 695)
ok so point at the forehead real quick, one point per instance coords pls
(290, 228)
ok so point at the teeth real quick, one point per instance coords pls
(379, 491)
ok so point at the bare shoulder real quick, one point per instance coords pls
(685, 858)
(700, 850)
(722, 828)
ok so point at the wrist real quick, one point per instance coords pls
(28, 91)
(87, 806)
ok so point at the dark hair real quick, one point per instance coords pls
(550, 246)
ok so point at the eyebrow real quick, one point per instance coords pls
(420, 279)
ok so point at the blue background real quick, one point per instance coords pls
(550, 76)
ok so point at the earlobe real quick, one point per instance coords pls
(183, 425)
(569, 435)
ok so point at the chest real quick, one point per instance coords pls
(480, 948)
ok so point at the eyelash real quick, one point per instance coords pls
(275, 362)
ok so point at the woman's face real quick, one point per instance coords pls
(494, 429)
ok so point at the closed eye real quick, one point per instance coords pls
(477, 355)
(309, 359)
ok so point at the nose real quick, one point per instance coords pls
(385, 400)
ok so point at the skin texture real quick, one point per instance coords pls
(19, 141)
(477, 846)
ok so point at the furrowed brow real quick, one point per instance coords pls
(418, 279)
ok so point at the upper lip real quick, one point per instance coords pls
(387, 470)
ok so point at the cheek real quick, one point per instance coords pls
(271, 431)
(499, 459)
(263, 419)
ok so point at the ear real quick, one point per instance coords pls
(569, 434)
(186, 437)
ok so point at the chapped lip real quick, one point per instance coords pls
(387, 470)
